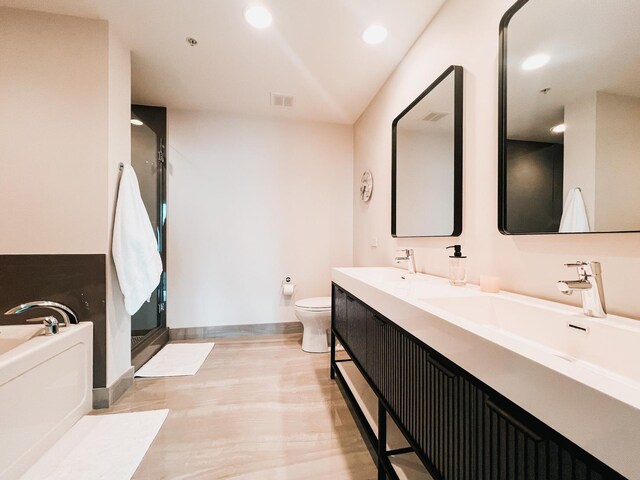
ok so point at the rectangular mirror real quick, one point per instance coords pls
(426, 162)
(569, 117)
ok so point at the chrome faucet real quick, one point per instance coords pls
(409, 258)
(589, 284)
(50, 323)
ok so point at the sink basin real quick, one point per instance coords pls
(380, 274)
(609, 344)
(416, 286)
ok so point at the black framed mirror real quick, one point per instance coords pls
(569, 117)
(426, 161)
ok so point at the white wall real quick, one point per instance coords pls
(251, 201)
(466, 33)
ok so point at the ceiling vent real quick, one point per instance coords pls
(434, 117)
(280, 100)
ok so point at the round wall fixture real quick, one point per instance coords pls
(366, 186)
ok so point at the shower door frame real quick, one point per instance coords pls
(156, 119)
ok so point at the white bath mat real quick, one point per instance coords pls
(100, 447)
(176, 359)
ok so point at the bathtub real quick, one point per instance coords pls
(45, 387)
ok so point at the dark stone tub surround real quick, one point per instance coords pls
(78, 281)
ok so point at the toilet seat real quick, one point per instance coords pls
(315, 304)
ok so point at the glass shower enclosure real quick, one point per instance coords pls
(148, 143)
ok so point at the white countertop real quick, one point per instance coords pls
(585, 386)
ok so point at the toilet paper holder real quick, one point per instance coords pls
(287, 287)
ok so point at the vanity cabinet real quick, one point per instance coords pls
(357, 329)
(459, 427)
(339, 313)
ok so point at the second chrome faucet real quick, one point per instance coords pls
(409, 258)
(589, 284)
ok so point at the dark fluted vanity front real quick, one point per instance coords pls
(456, 424)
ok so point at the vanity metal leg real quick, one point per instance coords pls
(332, 364)
(382, 441)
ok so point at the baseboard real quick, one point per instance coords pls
(225, 331)
(107, 396)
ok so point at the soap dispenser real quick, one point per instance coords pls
(457, 267)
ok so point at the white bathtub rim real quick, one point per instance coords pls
(33, 351)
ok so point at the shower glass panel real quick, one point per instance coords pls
(146, 156)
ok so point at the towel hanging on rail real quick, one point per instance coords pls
(574, 215)
(134, 246)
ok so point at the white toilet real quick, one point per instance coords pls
(315, 316)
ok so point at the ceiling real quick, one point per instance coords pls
(433, 113)
(594, 46)
(313, 50)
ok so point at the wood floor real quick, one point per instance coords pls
(259, 408)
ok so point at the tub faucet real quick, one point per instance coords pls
(67, 315)
(50, 323)
(409, 258)
(589, 284)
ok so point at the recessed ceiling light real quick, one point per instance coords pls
(374, 34)
(559, 128)
(536, 61)
(135, 121)
(258, 17)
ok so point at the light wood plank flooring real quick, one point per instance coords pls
(259, 408)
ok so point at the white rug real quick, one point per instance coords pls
(100, 447)
(176, 359)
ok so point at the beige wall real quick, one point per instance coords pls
(466, 33)
(424, 198)
(251, 201)
(118, 321)
(65, 95)
(580, 153)
(53, 133)
(618, 162)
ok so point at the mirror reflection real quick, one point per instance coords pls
(427, 163)
(572, 144)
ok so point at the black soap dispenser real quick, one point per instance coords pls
(457, 267)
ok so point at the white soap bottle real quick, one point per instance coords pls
(457, 267)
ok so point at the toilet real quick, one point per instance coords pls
(315, 316)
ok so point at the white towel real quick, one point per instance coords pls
(134, 247)
(574, 216)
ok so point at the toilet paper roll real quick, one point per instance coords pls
(288, 289)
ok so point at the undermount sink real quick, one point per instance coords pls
(380, 274)
(417, 286)
(608, 346)
(611, 345)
